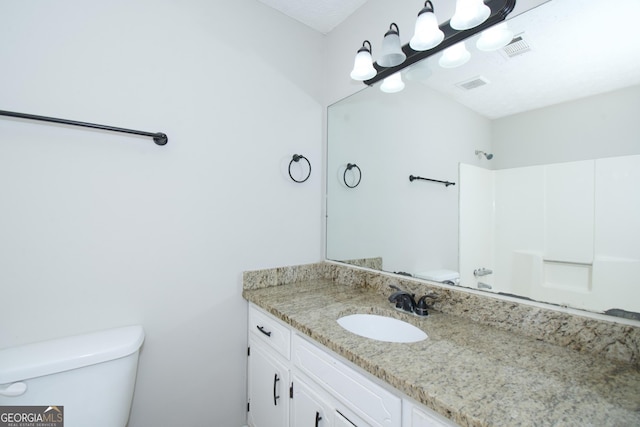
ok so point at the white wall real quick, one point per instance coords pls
(99, 230)
(598, 126)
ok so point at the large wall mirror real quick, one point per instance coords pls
(542, 142)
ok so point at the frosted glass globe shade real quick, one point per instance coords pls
(427, 34)
(393, 83)
(454, 56)
(392, 53)
(495, 38)
(363, 66)
(469, 14)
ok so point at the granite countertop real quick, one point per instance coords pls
(474, 374)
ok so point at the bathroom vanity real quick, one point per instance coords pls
(294, 381)
(305, 369)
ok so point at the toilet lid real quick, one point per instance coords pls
(63, 354)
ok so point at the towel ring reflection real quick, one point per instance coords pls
(296, 158)
(344, 175)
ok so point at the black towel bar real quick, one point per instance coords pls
(158, 137)
(446, 183)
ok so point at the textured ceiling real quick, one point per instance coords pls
(321, 15)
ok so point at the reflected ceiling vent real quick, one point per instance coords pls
(473, 83)
(516, 47)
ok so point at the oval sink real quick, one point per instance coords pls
(381, 328)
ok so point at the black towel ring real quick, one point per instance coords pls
(344, 175)
(296, 158)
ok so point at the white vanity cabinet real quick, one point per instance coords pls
(293, 381)
(268, 371)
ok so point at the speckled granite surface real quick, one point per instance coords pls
(475, 374)
(612, 340)
(373, 263)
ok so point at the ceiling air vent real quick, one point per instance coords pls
(473, 83)
(517, 46)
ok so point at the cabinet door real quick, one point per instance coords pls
(308, 409)
(268, 388)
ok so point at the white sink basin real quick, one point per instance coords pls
(381, 328)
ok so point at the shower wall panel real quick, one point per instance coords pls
(566, 233)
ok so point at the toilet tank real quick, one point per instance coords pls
(90, 378)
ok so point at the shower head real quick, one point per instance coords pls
(489, 156)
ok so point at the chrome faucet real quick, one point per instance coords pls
(482, 272)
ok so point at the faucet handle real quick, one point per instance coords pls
(399, 293)
(482, 271)
(394, 297)
(403, 300)
(421, 306)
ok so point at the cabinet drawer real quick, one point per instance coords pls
(374, 404)
(270, 331)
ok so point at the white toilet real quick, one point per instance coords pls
(91, 376)
(449, 277)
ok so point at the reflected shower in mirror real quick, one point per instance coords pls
(543, 141)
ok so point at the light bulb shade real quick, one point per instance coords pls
(469, 14)
(495, 38)
(427, 34)
(454, 56)
(393, 83)
(363, 64)
(392, 53)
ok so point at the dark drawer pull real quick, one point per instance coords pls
(261, 329)
(275, 382)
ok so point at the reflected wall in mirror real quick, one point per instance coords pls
(544, 150)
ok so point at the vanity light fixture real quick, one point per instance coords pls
(392, 53)
(427, 34)
(393, 83)
(363, 64)
(469, 14)
(472, 17)
(454, 56)
(495, 38)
